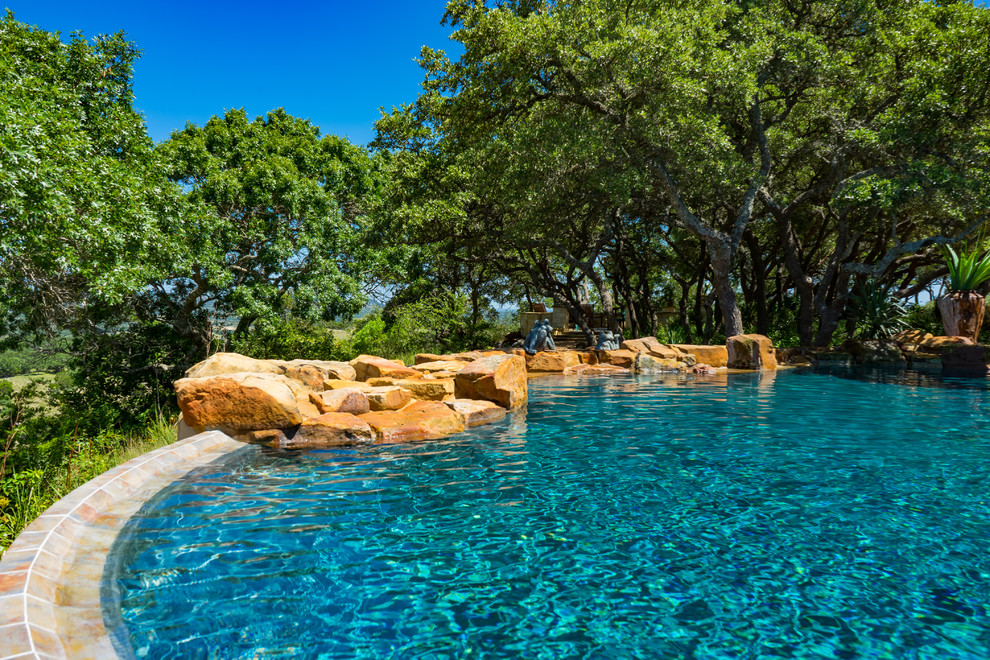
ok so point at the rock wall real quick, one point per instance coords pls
(319, 403)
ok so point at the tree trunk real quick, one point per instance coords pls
(725, 294)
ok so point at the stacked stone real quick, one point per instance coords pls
(317, 403)
(312, 403)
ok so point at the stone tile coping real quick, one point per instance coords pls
(50, 576)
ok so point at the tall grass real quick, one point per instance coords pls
(27, 493)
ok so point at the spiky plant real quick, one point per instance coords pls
(968, 270)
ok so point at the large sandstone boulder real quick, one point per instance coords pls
(552, 361)
(750, 352)
(498, 378)
(476, 413)
(596, 370)
(912, 337)
(346, 385)
(330, 430)
(347, 400)
(239, 402)
(875, 351)
(231, 363)
(619, 358)
(388, 398)
(434, 389)
(314, 372)
(370, 366)
(939, 343)
(715, 356)
(648, 364)
(311, 373)
(642, 345)
(965, 359)
(665, 352)
(448, 366)
(420, 420)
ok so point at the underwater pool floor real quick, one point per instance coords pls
(797, 515)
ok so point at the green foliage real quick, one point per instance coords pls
(924, 317)
(80, 192)
(878, 314)
(968, 270)
(287, 339)
(440, 323)
(38, 474)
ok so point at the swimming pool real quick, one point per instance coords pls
(756, 515)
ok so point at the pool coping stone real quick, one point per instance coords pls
(50, 576)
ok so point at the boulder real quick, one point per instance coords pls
(634, 345)
(552, 361)
(476, 413)
(715, 356)
(499, 378)
(388, 398)
(330, 430)
(346, 385)
(420, 420)
(238, 402)
(308, 372)
(423, 358)
(348, 400)
(596, 370)
(231, 363)
(965, 359)
(938, 344)
(434, 389)
(314, 372)
(620, 358)
(370, 366)
(875, 351)
(588, 357)
(450, 366)
(702, 369)
(912, 337)
(665, 352)
(750, 352)
(648, 364)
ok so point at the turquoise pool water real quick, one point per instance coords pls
(798, 516)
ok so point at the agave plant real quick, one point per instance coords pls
(878, 314)
(967, 270)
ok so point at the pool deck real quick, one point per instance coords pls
(50, 576)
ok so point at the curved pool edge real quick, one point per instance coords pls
(50, 576)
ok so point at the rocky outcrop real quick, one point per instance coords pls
(647, 363)
(622, 358)
(965, 359)
(875, 351)
(596, 370)
(388, 398)
(329, 430)
(348, 400)
(421, 420)
(238, 402)
(500, 379)
(552, 361)
(448, 366)
(714, 356)
(370, 366)
(311, 373)
(476, 413)
(436, 389)
(750, 352)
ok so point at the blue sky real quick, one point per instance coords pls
(333, 62)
